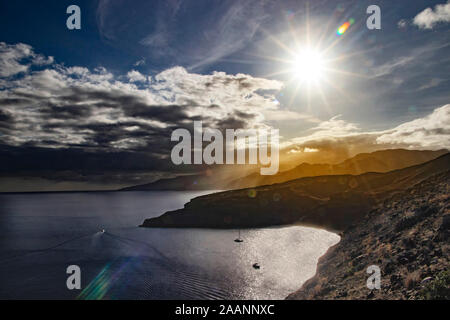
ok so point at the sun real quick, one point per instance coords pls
(308, 63)
(309, 66)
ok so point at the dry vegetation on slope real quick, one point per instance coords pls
(407, 236)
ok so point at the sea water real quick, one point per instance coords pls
(42, 234)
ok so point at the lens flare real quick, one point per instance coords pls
(252, 193)
(342, 29)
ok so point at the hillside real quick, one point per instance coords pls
(406, 236)
(378, 161)
(331, 202)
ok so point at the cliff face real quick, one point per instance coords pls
(330, 202)
(407, 236)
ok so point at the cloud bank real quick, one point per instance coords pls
(338, 136)
(62, 106)
(19, 58)
(74, 123)
(56, 118)
(429, 17)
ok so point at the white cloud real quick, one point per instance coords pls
(388, 67)
(63, 106)
(229, 93)
(18, 58)
(431, 84)
(402, 23)
(10, 57)
(429, 17)
(40, 60)
(136, 76)
(429, 132)
(140, 62)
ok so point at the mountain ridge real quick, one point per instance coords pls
(378, 161)
(331, 202)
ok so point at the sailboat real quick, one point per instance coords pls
(239, 240)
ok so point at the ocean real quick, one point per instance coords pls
(42, 234)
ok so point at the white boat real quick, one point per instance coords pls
(239, 240)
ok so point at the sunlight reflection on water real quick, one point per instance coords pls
(43, 234)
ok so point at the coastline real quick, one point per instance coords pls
(397, 221)
(406, 236)
(329, 202)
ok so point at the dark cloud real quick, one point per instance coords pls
(170, 113)
(51, 111)
(29, 158)
(5, 117)
(6, 121)
(232, 123)
(63, 120)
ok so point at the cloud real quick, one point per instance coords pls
(288, 115)
(339, 136)
(429, 17)
(136, 76)
(388, 67)
(430, 132)
(18, 58)
(434, 82)
(56, 119)
(154, 30)
(74, 118)
(139, 63)
(402, 23)
(74, 106)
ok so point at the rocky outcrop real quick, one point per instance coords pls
(407, 236)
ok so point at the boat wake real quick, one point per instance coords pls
(127, 268)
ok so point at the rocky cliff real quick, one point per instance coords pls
(407, 236)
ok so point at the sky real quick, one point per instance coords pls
(94, 108)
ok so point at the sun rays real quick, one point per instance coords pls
(308, 64)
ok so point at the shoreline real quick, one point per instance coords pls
(406, 236)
